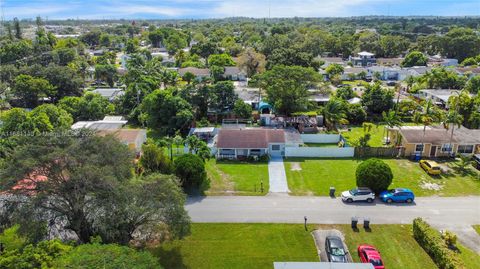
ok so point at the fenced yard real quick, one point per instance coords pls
(314, 177)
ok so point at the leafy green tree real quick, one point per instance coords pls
(107, 257)
(345, 93)
(57, 117)
(428, 115)
(461, 43)
(91, 38)
(393, 46)
(205, 49)
(415, 58)
(188, 77)
(197, 146)
(30, 89)
(91, 106)
(334, 70)
(223, 96)
(107, 73)
(153, 160)
(374, 174)
(220, 60)
(64, 56)
(242, 110)
(473, 85)
(18, 28)
(191, 170)
(356, 114)
(167, 112)
(442, 78)
(15, 52)
(377, 99)
(391, 119)
(287, 87)
(175, 42)
(252, 62)
(32, 256)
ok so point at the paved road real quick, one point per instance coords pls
(276, 176)
(458, 211)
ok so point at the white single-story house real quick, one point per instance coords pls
(110, 93)
(108, 123)
(200, 73)
(438, 96)
(243, 143)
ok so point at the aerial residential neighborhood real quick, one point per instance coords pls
(240, 134)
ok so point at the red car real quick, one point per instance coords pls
(369, 254)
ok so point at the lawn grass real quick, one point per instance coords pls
(317, 175)
(469, 257)
(235, 177)
(259, 245)
(377, 133)
(396, 244)
(477, 228)
(233, 246)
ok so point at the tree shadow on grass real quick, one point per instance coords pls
(171, 258)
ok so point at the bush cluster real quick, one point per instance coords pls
(433, 243)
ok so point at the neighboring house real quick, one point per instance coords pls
(321, 265)
(110, 93)
(436, 141)
(108, 123)
(133, 138)
(468, 71)
(249, 96)
(354, 72)
(438, 60)
(439, 97)
(331, 60)
(200, 73)
(166, 58)
(386, 73)
(363, 58)
(243, 143)
(389, 61)
(234, 73)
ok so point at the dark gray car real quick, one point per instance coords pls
(335, 250)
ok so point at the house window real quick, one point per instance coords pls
(446, 147)
(466, 149)
(419, 148)
(275, 147)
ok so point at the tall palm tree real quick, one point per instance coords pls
(391, 119)
(427, 117)
(334, 112)
(453, 118)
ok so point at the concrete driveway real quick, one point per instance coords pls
(319, 236)
(276, 175)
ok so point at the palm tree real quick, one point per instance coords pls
(410, 80)
(334, 112)
(391, 119)
(428, 116)
(453, 118)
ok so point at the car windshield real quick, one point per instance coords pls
(338, 252)
(436, 168)
(353, 192)
(376, 262)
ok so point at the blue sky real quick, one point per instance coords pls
(163, 9)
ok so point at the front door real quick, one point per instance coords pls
(433, 151)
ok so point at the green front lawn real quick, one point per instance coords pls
(259, 245)
(315, 176)
(239, 246)
(468, 256)
(235, 177)
(322, 145)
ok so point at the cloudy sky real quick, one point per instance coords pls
(162, 9)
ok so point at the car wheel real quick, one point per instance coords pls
(369, 200)
(389, 201)
(409, 200)
(349, 200)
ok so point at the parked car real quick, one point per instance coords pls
(335, 250)
(397, 195)
(358, 194)
(431, 167)
(369, 254)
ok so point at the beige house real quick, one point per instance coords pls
(133, 138)
(436, 141)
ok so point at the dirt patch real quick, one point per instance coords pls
(430, 186)
(295, 167)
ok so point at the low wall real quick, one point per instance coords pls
(319, 152)
(320, 138)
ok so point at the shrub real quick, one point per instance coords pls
(374, 174)
(190, 169)
(450, 238)
(431, 241)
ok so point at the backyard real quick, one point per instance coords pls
(237, 178)
(259, 245)
(316, 176)
(377, 133)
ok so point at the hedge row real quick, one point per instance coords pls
(433, 243)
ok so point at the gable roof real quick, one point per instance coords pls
(128, 136)
(232, 70)
(195, 71)
(249, 138)
(437, 135)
